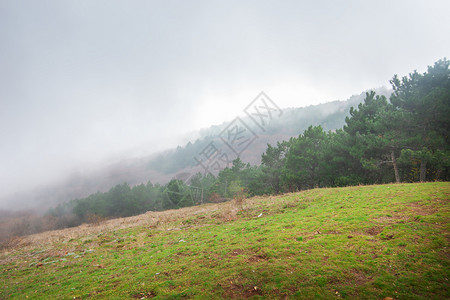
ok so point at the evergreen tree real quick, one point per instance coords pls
(304, 161)
(374, 141)
(272, 163)
(424, 100)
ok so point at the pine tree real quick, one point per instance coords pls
(424, 101)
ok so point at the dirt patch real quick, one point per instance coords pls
(332, 232)
(257, 258)
(360, 277)
(146, 295)
(387, 237)
(422, 210)
(390, 219)
(374, 230)
(237, 291)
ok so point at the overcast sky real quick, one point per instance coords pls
(88, 82)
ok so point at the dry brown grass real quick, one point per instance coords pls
(222, 212)
(10, 242)
(161, 220)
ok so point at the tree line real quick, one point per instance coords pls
(400, 139)
(403, 138)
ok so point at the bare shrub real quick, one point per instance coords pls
(215, 198)
(239, 195)
(239, 201)
(95, 219)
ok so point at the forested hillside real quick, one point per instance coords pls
(164, 166)
(330, 116)
(400, 138)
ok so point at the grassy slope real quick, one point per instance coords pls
(358, 242)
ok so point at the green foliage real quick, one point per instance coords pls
(330, 116)
(424, 101)
(235, 189)
(177, 195)
(404, 139)
(272, 164)
(123, 201)
(304, 161)
(374, 135)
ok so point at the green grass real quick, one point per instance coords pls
(367, 242)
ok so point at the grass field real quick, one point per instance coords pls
(368, 242)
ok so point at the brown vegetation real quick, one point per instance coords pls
(163, 220)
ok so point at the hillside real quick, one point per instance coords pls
(292, 122)
(162, 167)
(356, 242)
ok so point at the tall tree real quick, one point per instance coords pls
(272, 163)
(341, 169)
(424, 100)
(375, 131)
(304, 161)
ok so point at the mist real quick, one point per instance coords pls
(87, 85)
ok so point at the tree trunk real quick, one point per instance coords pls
(394, 164)
(423, 170)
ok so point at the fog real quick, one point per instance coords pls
(85, 84)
